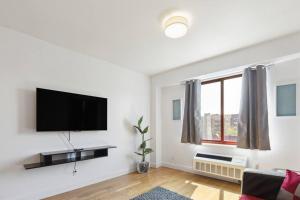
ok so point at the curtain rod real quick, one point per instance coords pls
(238, 70)
(264, 65)
(267, 63)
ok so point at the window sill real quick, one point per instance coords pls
(219, 145)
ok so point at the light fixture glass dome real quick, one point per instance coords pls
(176, 27)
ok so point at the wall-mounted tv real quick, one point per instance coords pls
(62, 111)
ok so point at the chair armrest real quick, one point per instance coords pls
(262, 184)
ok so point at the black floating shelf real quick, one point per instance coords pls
(68, 156)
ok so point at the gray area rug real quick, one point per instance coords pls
(160, 193)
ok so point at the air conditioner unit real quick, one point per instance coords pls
(231, 167)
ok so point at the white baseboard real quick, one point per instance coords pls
(179, 167)
(48, 193)
(155, 165)
(52, 192)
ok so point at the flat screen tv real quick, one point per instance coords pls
(62, 111)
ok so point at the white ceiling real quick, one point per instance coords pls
(129, 33)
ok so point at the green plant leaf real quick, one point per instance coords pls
(138, 153)
(143, 145)
(148, 150)
(140, 121)
(145, 130)
(138, 128)
(148, 139)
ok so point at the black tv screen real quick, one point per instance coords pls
(62, 111)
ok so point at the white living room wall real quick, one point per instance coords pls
(27, 63)
(284, 131)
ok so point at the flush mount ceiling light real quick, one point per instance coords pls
(176, 27)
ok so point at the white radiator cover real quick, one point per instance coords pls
(227, 169)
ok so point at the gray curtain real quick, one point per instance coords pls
(253, 126)
(192, 115)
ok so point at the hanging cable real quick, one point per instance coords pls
(69, 139)
(74, 149)
(75, 169)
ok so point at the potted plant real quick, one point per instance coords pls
(143, 166)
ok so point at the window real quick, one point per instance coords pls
(220, 99)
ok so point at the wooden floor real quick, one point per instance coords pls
(131, 185)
